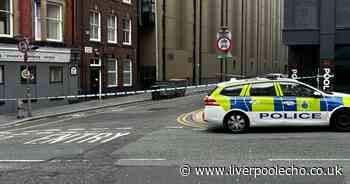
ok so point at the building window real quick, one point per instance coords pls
(56, 74)
(32, 76)
(112, 29)
(127, 31)
(38, 23)
(127, 71)
(112, 73)
(127, 1)
(6, 18)
(95, 26)
(54, 22)
(2, 75)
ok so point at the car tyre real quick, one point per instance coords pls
(236, 122)
(341, 120)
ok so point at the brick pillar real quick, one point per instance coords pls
(26, 23)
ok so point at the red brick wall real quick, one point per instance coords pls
(106, 50)
(26, 23)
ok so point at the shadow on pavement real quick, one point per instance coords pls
(272, 130)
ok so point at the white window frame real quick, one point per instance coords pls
(115, 29)
(114, 72)
(37, 20)
(130, 33)
(99, 26)
(52, 68)
(127, 1)
(2, 74)
(130, 73)
(94, 64)
(11, 21)
(60, 21)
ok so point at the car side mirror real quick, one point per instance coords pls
(318, 94)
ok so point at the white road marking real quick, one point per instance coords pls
(52, 130)
(126, 128)
(116, 136)
(310, 159)
(96, 138)
(22, 161)
(174, 127)
(77, 129)
(143, 159)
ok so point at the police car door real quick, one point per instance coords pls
(261, 98)
(301, 105)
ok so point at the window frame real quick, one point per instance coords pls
(11, 20)
(114, 72)
(98, 39)
(115, 29)
(126, 1)
(129, 43)
(130, 73)
(2, 74)
(300, 84)
(61, 70)
(60, 22)
(36, 21)
(222, 92)
(251, 86)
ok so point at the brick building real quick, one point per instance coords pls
(107, 37)
(47, 24)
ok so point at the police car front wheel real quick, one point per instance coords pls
(236, 122)
(341, 120)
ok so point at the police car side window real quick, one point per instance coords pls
(232, 91)
(296, 90)
(263, 89)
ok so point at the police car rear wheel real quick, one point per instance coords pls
(342, 121)
(236, 122)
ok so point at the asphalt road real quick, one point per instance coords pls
(149, 143)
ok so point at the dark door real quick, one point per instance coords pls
(94, 80)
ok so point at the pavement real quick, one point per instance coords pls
(9, 120)
(155, 141)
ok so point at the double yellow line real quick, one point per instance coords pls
(182, 119)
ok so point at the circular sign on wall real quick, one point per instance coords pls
(25, 74)
(224, 44)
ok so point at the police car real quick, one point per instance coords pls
(262, 102)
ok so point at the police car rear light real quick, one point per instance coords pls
(209, 101)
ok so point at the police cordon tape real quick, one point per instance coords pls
(115, 94)
(134, 92)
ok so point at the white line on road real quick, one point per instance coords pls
(125, 128)
(310, 159)
(174, 127)
(143, 159)
(23, 161)
(77, 129)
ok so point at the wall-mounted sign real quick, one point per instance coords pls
(88, 50)
(42, 55)
(74, 70)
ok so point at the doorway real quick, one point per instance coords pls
(95, 80)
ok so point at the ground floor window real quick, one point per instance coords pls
(127, 71)
(2, 75)
(56, 74)
(24, 75)
(112, 73)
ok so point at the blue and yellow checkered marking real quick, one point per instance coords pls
(287, 104)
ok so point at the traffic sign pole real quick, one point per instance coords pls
(24, 47)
